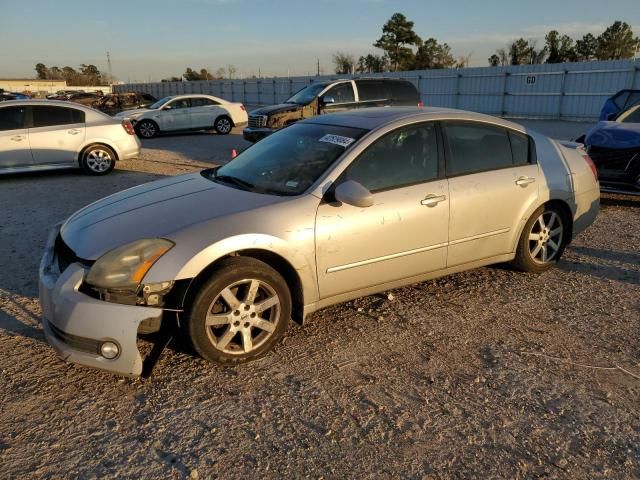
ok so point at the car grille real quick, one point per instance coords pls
(65, 256)
(78, 343)
(257, 121)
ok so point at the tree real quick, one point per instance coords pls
(494, 60)
(433, 55)
(231, 70)
(552, 42)
(586, 49)
(567, 49)
(617, 42)
(171, 79)
(343, 62)
(191, 75)
(90, 75)
(397, 37)
(523, 52)
(42, 71)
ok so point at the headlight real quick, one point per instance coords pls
(126, 266)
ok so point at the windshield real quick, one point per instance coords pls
(289, 161)
(160, 102)
(307, 94)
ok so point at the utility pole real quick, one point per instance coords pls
(109, 66)
(318, 69)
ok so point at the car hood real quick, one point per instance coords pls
(129, 113)
(155, 209)
(614, 135)
(281, 108)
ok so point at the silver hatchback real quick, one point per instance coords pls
(323, 211)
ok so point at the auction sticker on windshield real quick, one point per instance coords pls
(338, 140)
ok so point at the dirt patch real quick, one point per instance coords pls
(447, 378)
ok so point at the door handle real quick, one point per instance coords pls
(432, 200)
(524, 181)
(73, 131)
(17, 138)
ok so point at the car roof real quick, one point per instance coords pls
(372, 118)
(197, 95)
(51, 103)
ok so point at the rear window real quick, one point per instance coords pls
(12, 118)
(44, 116)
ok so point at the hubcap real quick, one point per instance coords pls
(243, 316)
(224, 125)
(147, 129)
(99, 160)
(545, 237)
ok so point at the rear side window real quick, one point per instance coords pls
(519, 148)
(402, 92)
(202, 102)
(12, 118)
(476, 148)
(44, 116)
(370, 90)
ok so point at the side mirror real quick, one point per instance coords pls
(353, 193)
(328, 100)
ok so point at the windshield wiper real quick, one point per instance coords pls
(236, 181)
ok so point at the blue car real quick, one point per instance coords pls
(13, 96)
(614, 146)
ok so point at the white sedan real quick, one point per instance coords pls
(186, 112)
(48, 134)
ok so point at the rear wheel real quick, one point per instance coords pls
(542, 241)
(98, 160)
(223, 125)
(147, 129)
(241, 313)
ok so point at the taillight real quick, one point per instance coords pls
(242, 108)
(421, 103)
(592, 165)
(126, 124)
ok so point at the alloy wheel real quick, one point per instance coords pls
(147, 129)
(545, 237)
(99, 160)
(223, 125)
(243, 316)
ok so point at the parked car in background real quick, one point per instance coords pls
(83, 98)
(619, 102)
(63, 94)
(186, 112)
(330, 97)
(326, 210)
(614, 146)
(114, 103)
(6, 96)
(50, 134)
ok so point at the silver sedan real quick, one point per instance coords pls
(326, 210)
(51, 135)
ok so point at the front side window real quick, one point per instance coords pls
(44, 116)
(12, 118)
(476, 147)
(307, 94)
(289, 161)
(180, 103)
(341, 93)
(403, 157)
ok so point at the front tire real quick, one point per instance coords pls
(542, 241)
(147, 129)
(223, 125)
(241, 313)
(98, 160)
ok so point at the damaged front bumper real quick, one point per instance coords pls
(77, 325)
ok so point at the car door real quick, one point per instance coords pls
(493, 182)
(404, 233)
(338, 98)
(56, 134)
(14, 137)
(203, 112)
(176, 115)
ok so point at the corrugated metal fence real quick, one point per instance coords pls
(573, 91)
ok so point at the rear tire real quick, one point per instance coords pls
(98, 160)
(223, 125)
(542, 240)
(147, 128)
(241, 313)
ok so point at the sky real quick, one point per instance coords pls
(153, 39)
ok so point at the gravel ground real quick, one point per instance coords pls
(489, 373)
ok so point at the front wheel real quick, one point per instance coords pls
(542, 241)
(241, 313)
(98, 160)
(223, 125)
(147, 129)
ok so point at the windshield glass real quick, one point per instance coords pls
(289, 161)
(160, 102)
(307, 94)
